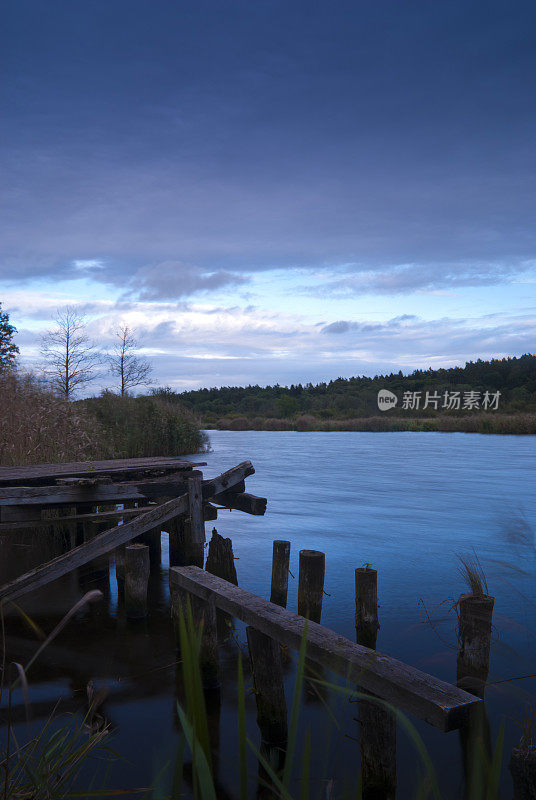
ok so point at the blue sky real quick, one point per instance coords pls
(272, 191)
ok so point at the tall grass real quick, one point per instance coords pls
(473, 575)
(520, 424)
(145, 426)
(37, 426)
(45, 766)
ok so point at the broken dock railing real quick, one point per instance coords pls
(71, 489)
(441, 704)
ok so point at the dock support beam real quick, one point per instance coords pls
(280, 567)
(265, 657)
(377, 737)
(311, 584)
(137, 568)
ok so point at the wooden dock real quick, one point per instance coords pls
(440, 704)
(163, 488)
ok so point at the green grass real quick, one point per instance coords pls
(473, 575)
(293, 781)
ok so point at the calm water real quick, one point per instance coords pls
(407, 503)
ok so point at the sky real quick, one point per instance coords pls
(271, 191)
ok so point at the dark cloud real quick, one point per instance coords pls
(344, 326)
(274, 134)
(172, 279)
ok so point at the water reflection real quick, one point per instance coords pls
(407, 503)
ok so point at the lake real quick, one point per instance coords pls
(407, 503)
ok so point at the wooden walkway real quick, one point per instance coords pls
(41, 474)
(440, 704)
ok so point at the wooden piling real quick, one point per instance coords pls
(137, 568)
(280, 567)
(119, 557)
(119, 553)
(522, 768)
(184, 552)
(366, 606)
(377, 740)
(265, 657)
(311, 584)
(220, 559)
(197, 520)
(65, 531)
(474, 642)
(95, 575)
(220, 562)
(204, 618)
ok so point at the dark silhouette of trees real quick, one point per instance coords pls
(8, 349)
(356, 397)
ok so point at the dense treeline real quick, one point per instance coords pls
(354, 399)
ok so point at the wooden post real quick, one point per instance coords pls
(174, 528)
(280, 566)
(377, 739)
(310, 593)
(137, 568)
(152, 538)
(204, 616)
(220, 562)
(366, 607)
(96, 574)
(311, 584)
(183, 552)
(265, 657)
(522, 767)
(197, 521)
(474, 642)
(65, 531)
(220, 559)
(119, 557)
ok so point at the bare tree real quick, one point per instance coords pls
(70, 357)
(130, 369)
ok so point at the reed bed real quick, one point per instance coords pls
(518, 424)
(37, 426)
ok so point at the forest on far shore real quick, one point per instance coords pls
(352, 404)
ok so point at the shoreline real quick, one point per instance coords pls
(522, 424)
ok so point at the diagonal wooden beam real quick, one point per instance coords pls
(113, 537)
(436, 702)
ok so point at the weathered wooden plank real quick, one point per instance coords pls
(42, 472)
(32, 514)
(438, 703)
(119, 534)
(242, 501)
(94, 492)
(197, 522)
